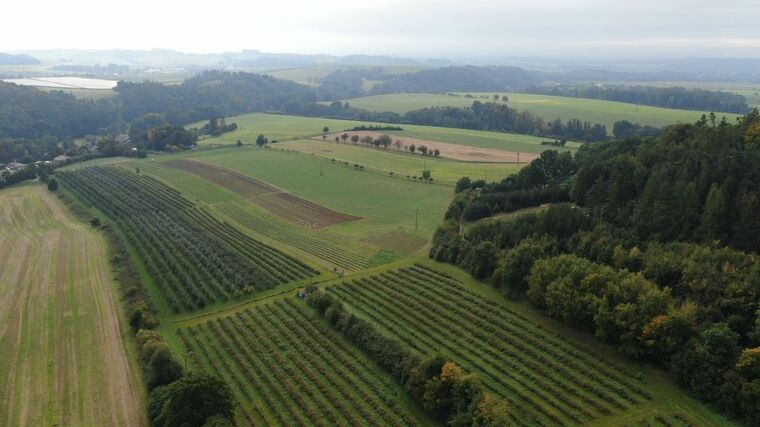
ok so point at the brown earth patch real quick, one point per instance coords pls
(448, 150)
(225, 178)
(285, 205)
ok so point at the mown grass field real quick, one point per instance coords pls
(547, 107)
(281, 127)
(63, 359)
(385, 204)
(402, 164)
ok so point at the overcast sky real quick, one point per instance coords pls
(426, 28)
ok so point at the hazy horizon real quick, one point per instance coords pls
(478, 29)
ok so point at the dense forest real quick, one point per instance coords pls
(211, 94)
(460, 79)
(649, 243)
(666, 97)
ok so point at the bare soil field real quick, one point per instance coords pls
(448, 150)
(62, 354)
(279, 202)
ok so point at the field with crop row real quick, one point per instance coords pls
(288, 368)
(195, 259)
(547, 380)
(339, 188)
(317, 247)
(663, 420)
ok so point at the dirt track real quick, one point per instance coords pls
(448, 150)
(62, 356)
(280, 203)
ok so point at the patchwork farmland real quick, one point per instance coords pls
(198, 259)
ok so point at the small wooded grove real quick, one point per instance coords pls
(650, 244)
(441, 387)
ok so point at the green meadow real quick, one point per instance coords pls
(399, 163)
(547, 107)
(401, 224)
(281, 127)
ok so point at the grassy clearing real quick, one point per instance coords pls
(550, 375)
(283, 127)
(322, 246)
(62, 354)
(385, 204)
(547, 107)
(401, 163)
(287, 367)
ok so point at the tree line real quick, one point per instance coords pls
(489, 116)
(666, 97)
(651, 244)
(37, 125)
(441, 387)
(176, 396)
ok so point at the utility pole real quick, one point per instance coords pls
(185, 356)
(320, 169)
(518, 157)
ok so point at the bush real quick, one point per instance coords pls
(192, 400)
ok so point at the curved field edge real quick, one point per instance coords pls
(64, 344)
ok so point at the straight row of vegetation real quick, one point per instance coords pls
(441, 387)
(176, 397)
(194, 259)
(546, 379)
(666, 97)
(312, 245)
(287, 368)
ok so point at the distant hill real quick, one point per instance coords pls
(20, 59)
(461, 79)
